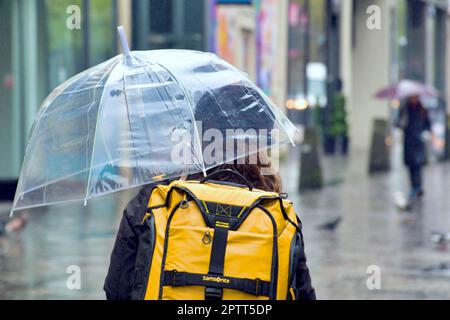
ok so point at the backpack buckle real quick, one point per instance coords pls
(174, 277)
(257, 287)
(213, 293)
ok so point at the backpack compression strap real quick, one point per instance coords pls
(217, 258)
(255, 287)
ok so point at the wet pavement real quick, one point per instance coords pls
(372, 231)
(34, 263)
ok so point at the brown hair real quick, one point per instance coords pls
(251, 171)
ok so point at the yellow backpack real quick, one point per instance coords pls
(216, 240)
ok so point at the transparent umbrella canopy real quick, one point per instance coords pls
(142, 117)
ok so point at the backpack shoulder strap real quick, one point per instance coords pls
(158, 196)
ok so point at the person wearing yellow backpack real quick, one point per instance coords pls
(230, 235)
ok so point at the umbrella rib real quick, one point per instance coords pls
(196, 133)
(160, 96)
(107, 74)
(161, 81)
(190, 103)
(129, 124)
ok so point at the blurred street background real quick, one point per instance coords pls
(321, 62)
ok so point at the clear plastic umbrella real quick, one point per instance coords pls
(128, 121)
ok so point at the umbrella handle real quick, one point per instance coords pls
(123, 40)
(222, 171)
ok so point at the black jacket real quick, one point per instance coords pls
(118, 283)
(415, 122)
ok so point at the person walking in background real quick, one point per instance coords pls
(414, 121)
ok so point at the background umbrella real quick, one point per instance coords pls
(406, 88)
(112, 127)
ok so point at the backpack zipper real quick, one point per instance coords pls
(149, 219)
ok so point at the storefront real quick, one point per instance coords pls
(39, 51)
(313, 57)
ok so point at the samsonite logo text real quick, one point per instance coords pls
(216, 279)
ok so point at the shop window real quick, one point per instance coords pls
(169, 24)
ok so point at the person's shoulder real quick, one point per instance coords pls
(135, 209)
